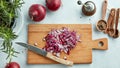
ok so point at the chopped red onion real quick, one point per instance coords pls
(35, 44)
(58, 40)
(65, 58)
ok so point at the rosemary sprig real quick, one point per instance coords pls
(7, 35)
(8, 12)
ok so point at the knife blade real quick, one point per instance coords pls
(45, 53)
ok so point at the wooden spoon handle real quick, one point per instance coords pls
(112, 15)
(104, 8)
(110, 20)
(113, 20)
(117, 18)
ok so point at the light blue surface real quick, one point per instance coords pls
(70, 13)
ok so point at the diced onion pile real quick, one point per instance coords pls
(58, 40)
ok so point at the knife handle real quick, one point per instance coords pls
(62, 61)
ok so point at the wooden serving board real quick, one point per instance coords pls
(82, 53)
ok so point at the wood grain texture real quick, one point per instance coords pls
(82, 53)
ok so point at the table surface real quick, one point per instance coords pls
(70, 13)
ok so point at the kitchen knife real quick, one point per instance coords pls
(46, 54)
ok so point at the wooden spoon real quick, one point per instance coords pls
(110, 22)
(116, 31)
(101, 24)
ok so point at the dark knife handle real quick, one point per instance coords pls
(62, 61)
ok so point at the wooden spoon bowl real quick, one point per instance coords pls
(111, 32)
(116, 35)
(101, 25)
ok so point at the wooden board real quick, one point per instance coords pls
(82, 53)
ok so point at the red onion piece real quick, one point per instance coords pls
(58, 40)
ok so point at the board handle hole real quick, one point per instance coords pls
(100, 44)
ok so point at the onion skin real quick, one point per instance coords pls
(37, 12)
(53, 5)
(12, 65)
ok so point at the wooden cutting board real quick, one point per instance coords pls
(82, 53)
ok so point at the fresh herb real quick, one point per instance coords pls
(8, 14)
(8, 11)
(7, 35)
